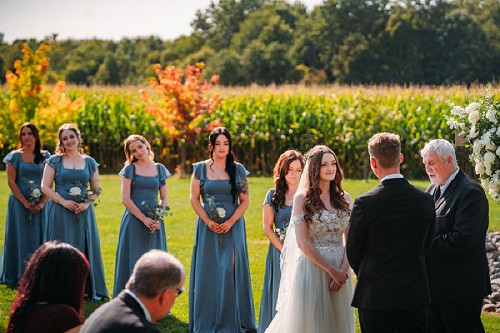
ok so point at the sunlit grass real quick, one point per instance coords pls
(180, 231)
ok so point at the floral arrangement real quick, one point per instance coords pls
(80, 194)
(217, 213)
(155, 213)
(478, 124)
(35, 196)
(281, 232)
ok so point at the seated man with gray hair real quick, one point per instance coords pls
(150, 292)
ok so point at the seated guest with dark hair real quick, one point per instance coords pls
(150, 292)
(50, 295)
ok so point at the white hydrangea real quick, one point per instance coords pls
(491, 115)
(498, 152)
(473, 132)
(489, 158)
(474, 117)
(472, 107)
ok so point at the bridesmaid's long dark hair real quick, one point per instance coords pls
(280, 171)
(39, 158)
(230, 164)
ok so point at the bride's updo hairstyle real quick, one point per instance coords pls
(230, 164)
(312, 200)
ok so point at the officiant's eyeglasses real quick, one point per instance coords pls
(179, 291)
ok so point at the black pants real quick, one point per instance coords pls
(456, 316)
(374, 321)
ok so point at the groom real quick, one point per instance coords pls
(390, 229)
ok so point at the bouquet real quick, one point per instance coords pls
(156, 213)
(281, 232)
(478, 124)
(217, 213)
(35, 196)
(80, 194)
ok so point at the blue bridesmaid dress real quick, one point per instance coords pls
(22, 238)
(272, 275)
(80, 231)
(133, 233)
(220, 293)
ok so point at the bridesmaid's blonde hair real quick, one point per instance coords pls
(126, 146)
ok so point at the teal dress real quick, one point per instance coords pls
(220, 293)
(79, 230)
(22, 237)
(133, 240)
(272, 275)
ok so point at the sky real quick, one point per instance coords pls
(103, 19)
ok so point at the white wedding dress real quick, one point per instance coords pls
(305, 305)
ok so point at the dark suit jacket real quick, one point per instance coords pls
(121, 315)
(390, 227)
(456, 259)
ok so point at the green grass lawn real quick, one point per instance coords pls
(180, 231)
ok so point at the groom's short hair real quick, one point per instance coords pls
(385, 148)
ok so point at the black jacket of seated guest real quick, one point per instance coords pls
(121, 315)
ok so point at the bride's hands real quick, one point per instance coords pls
(337, 278)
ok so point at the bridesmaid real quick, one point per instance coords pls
(142, 179)
(220, 294)
(277, 212)
(23, 225)
(70, 217)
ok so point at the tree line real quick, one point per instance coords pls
(432, 42)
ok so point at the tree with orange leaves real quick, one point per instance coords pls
(30, 100)
(183, 102)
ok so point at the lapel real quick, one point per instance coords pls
(449, 191)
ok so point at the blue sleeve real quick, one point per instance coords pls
(93, 165)
(163, 173)
(54, 161)
(13, 157)
(243, 173)
(127, 171)
(197, 169)
(268, 198)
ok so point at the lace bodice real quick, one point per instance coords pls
(327, 228)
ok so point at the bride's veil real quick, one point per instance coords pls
(291, 254)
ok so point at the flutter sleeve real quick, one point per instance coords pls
(241, 178)
(268, 197)
(93, 165)
(197, 170)
(54, 161)
(127, 171)
(13, 158)
(163, 173)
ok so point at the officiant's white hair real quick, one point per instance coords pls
(441, 147)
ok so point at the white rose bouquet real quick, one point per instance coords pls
(479, 125)
(35, 196)
(80, 194)
(218, 214)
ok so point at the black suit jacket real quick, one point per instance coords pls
(456, 259)
(390, 228)
(121, 315)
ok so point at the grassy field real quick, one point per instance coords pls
(180, 231)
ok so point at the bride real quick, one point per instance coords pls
(315, 288)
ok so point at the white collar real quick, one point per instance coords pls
(445, 185)
(146, 311)
(392, 176)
